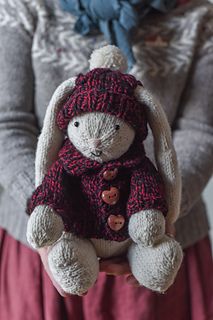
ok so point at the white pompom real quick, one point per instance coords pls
(108, 57)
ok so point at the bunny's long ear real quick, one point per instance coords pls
(51, 138)
(165, 154)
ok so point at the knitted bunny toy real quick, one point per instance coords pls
(97, 194)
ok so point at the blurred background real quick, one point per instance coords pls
(208, 196)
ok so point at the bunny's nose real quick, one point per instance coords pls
(96, 142)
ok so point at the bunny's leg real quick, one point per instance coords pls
(73, 263)
(155, 267)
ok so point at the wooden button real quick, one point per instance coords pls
(111, 196)
(116, 222)
(110, 174)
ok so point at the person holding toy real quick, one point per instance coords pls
(92, 135)
(124, 201)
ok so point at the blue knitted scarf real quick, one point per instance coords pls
(114, 18)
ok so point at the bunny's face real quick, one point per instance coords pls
(99, 136)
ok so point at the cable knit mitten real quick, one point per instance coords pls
(44, 227)
(147, 227)
(156, 267)
(73, 264)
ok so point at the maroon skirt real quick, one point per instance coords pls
(26, 293)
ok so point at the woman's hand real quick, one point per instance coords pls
(118, 266)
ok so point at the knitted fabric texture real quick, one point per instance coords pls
(105, 91)
(74, 184)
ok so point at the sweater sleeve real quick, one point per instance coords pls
(193, 131)
(147, 190)
(52, 191)
(18, 128)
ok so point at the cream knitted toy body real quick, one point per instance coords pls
(92, 140)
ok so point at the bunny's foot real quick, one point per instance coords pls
(156, 267)
(73, 263)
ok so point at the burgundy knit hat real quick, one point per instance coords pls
(105, 91)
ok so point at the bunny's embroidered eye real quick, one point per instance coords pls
(117, 127)
(76, 124)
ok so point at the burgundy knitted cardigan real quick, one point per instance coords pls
(74, 184)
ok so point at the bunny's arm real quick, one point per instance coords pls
(146, 205)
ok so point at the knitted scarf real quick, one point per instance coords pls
(76, 164)
(114, 18)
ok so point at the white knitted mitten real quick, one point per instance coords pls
(44, 227)
(156, 267)
(73, 263)
(147, 227)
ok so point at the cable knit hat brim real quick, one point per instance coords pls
(106, 91)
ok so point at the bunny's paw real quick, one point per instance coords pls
(44, 227)
(147, 227)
